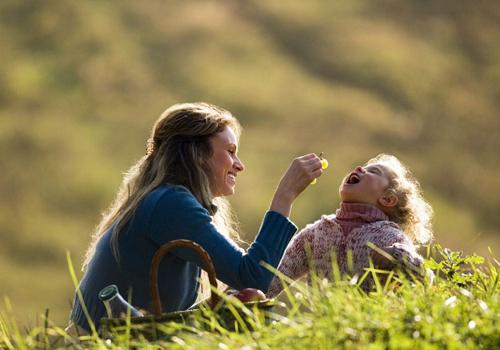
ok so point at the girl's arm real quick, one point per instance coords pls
(295, 260)
(403, 255)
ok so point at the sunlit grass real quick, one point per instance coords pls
(460, 310)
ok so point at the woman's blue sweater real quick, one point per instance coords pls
(168, 213)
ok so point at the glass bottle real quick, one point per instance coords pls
(114, 303)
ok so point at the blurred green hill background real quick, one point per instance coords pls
(81, 84)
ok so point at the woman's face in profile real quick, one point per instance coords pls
(224, 163)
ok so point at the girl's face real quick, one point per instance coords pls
(365, 185)
(224, 163)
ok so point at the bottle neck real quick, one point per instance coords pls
(116, 307)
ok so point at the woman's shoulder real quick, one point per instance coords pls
(173, 208)
(170, 189)
(171, 193)
(172, 199)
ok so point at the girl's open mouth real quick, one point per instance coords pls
(353, 179)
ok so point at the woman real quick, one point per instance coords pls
(176, 192)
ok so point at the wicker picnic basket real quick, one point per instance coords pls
(227, 316)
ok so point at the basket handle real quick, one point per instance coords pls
(208, 266)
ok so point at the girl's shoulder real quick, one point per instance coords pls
(385, 230)
(383, 225)
(329, 219)
(325, 224)
(377, 226)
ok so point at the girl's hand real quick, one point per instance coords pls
(299, 175)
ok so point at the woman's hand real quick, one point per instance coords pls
(299, 175)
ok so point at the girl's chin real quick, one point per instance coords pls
(348, 198)
(346, 192)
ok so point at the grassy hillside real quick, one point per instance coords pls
(81, 84)
(456, 312)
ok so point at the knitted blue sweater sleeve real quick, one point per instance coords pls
(178, 215)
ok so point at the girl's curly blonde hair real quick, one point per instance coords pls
(412, 213)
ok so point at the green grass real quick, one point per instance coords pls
(460, 310)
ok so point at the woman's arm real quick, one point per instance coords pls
(298, 176)
(295, 261)
(178, 215)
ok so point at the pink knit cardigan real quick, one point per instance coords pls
(353, 226)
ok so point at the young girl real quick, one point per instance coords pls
(381, 203)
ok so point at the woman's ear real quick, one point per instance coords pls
(388, 200)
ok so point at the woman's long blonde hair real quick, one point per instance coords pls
(177, 153)
(412, 212)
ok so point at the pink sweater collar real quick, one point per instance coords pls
(359, 213)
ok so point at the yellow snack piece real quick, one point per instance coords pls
(324, 163)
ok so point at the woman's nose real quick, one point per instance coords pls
(238, 165)
(359, 169)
